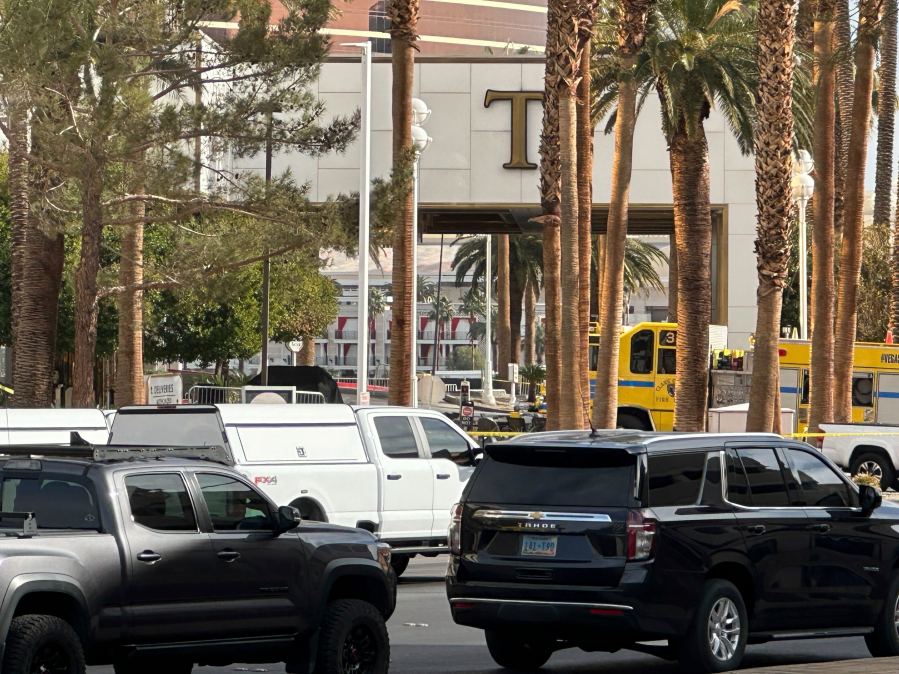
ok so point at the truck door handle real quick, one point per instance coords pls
(149, 556)
(822, 528)
(395, 476)
(229, 555)
(755, 529)
(443, 476)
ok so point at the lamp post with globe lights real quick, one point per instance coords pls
(420, 141)
(803, 186)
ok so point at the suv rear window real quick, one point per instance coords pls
(555, 479)
(675, 479)
(58, 502)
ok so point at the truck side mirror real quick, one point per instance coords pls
(869, 498)
(289, 518)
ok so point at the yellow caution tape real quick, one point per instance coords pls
(494, 434)
(6, 389)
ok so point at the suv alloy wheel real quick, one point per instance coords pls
(884, 641)
(716, 638)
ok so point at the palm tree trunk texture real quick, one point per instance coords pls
(774, 200)
(672, 279)
(307, 352)
(517, 282)
(19, 204)
(886, 116)
(129, 371)
(689, 157)
(86, 297)
(403, 15)
(851, 250)
(631, 32)
(823, 238)
(550, 203)
(571, 414)
(585, 208)
(845, 85)
(530, 323)
(805, 25)
(503, 321)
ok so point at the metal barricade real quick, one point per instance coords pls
(212, 395)
(309, 398)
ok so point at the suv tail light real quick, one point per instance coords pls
(641, 534)
(455, 530)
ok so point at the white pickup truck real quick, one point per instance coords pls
(871, 449)
(394, 471)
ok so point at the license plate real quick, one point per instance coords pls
(539, 546)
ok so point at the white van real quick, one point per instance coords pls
(395, 471)
(51, 426)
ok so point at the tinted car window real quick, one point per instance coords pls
(160, 502)
(766, 482)
(232, 505)
(675, 479)
(186, 429)
(555, 481)
(445, 443)
(821, 486)
(397, 438)
(57, 503)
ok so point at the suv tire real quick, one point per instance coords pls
(711, 644)
(399, 564)
(517, 653)
(353, 635)
(873, 463)
(34, 639)
(884, 641)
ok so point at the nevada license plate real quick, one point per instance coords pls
(539, 546)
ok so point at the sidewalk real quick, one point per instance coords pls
(864, 666)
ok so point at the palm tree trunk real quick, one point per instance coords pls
(672, 279)
(86, 297)
(19, 204)
(773, 169)
(585, 207)
(632, 29)
(886, 115)
(517, 284)
(570, 406)
(851, 250)
(823, 237)
(550, 203)
(503, 320)
(805, 25)
(129, 371)
(689, 157)
(845, 84)
(531, 293)
(403, 15)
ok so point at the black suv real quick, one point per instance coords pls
(608, 540)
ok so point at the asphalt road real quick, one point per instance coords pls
(424, 640)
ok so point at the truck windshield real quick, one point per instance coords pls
(58, 502)
(166, 429)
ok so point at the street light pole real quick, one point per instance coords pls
(487, 385)
(420, 142)
(803, 186)
(362, 347)
(266, 263)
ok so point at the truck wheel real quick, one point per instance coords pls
(515, 652)
(399, 564)
(631, 422)
(42, 643)
(353, 638)
(872, 463)
(716, 638)
(884, 641)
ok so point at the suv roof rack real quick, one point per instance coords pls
(215, 454)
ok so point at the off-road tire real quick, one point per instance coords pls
(695, 649)
(517, 653)
(34, 636)
(884, 641)
(342, 620)
(399, 563)
(142, 666)
(888, 473)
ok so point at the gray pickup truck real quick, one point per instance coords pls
(156, 560)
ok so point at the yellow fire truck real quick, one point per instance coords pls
(646, 376)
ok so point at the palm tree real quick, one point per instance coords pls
(377, 306)
(870, 14)
(550, 204)
(442, 312)
(632, 18)
(427, 291)
(700, 54)
(823, 224)
(886, 114)
(774, 200)
(845, 79)
(403, 16)
(503, 303)
(568, 63)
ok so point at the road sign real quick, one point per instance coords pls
(295, 346)
(467, 412)
(164, 389)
